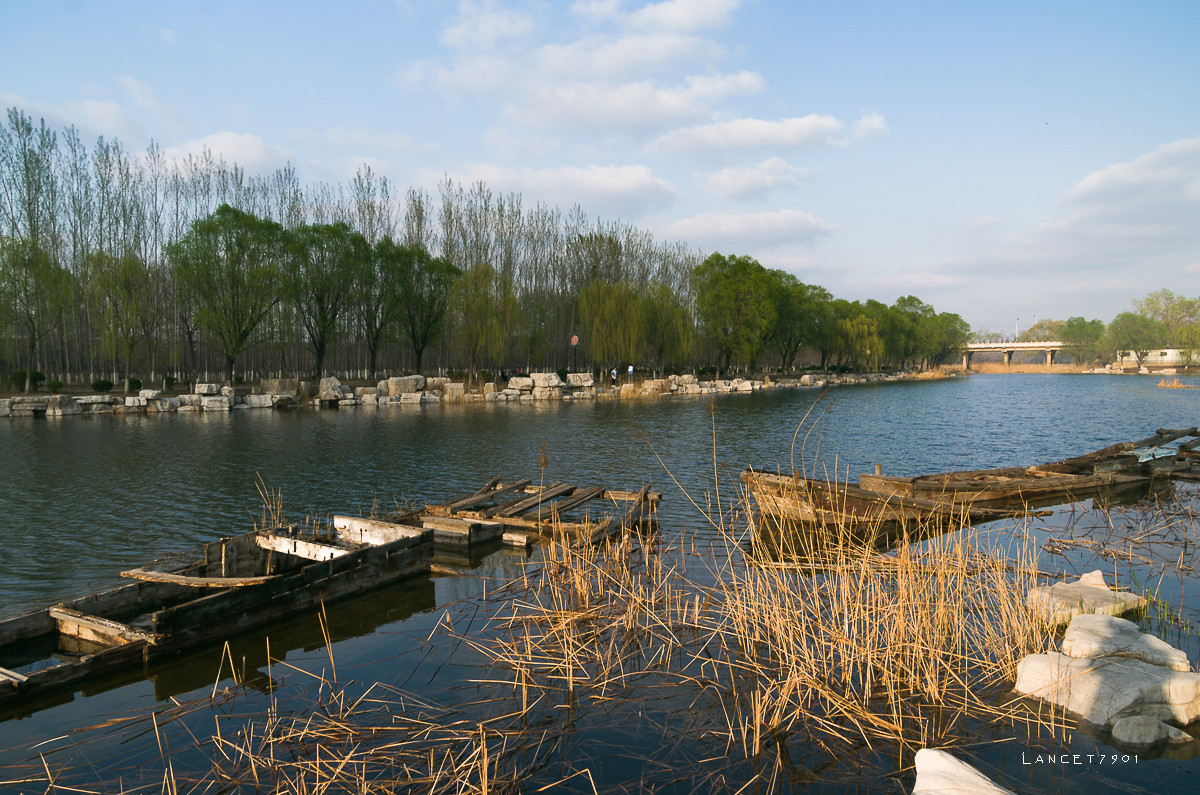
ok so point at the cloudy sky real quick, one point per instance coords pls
(1000, 160)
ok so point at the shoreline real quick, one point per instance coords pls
(419, 390)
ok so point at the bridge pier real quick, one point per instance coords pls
(1050, 357)
(1008, 358)
(966, 360)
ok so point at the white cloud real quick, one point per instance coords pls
(914, 281)
(741, 230)
(683, 14)
(167, 36)
(482, 26)
(870, 125)
(755, 181)
(811, 130)
(357, 138)
(247, 150)
(631, 105)
(605, 57)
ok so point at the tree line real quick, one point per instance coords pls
(1162, 319)
(121, 263)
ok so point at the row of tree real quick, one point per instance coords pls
(120, 263)
(1163, 319)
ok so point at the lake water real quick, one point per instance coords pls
(84, 497)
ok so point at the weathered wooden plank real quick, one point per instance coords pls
(512, 538)
(626, 496)
(95, 629)
(519, 506)
(374, 532)
(13, 675)
(483, 496)
(197, 582)
(615, 525)
(451, 530)
(579, 497)
(300, 547)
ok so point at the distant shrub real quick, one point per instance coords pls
(169, 382)
(562, 374)
(54, 386)
(17, 379)
(237, 380)
(102, 385)
(485, 375)
(135, 383)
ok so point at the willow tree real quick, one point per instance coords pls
(666, 326)
(426, 285)
(734, 300)
(611, 321)
(37, 288)
(484, 309)
(229, 262)
(322, 262)
(124, 294)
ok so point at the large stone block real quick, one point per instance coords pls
(406, 384)
(546, 380)
(162, 404)
(1061, 602)
(259, 401)
(4, 404)
(546, 392)
(453, 393)
(1092, 635)
(1142, 732)
(208, 389)
(939, 773)
(216, 403)
(435, 384)
(520, 382)
(581, 380)
(1102, 691)
(150, 394)
(62, 405)
(92, 400)
(135, 402)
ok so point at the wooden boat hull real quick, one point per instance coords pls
(812, 501)
(1012, 486)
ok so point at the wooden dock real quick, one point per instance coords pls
(256, 579)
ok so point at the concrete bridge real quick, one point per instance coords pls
(1009, 348)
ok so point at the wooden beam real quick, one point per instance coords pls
(95, 629)
(372, 532)
(13, 675)
(580, 496)
(483, 495)
(196, 582)
(300, 547)
(524, 504)
(615, 525)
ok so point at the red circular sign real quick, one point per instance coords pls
(574, 339)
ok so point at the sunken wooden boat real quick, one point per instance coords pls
(816, 502)
(1149, 457)
(253, 580)
(1007, 486)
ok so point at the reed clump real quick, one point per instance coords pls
(1174, 384)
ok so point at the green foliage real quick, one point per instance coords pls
(611, 323)
(133, 384)
(102, 385)
(1082, 339)
(1175, 312)
(323, 260)
(229, 263)
(734, 300)
(21, 378)
(169, 382)
(485, 308)
(54, 386)
(562, 373)
(1137, 334)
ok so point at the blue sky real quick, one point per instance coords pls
(998, 160)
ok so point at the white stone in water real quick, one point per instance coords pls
(1142, 732)
(1061, 602)
(135, 402)
(406, 384)
(228, 391)
(150, 394)
(581, 380)
(520, 382)
(939, 773)
(62, 405)
(436, 383)
(216, 403)
(546, 380)
(1092, 635)
(1102, 691)
(546, 392)
(208, 389)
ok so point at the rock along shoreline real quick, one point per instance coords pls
(412, 390)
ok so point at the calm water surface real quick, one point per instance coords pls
(84, 497)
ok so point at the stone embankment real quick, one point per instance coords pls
(411, 390)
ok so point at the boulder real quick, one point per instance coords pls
(547, 392)
(686, 379)
(329, 390)
(546, 380)
(939, 773)
(228, 391)
(62, 405)
(4, 404)
(520, 382)
(1141, 733)
(92, 400)
(283, 400)
(162, 404)
(410, 397)
(628, 391)
(1102, 691)
(453, 393)
(381, 389)
(1061, 602)
(1093, 635)
(150, 394)
(135, 402)
(655, 386)
(259, 401)
(208, 389)
(406, 384)
(580, 380)
(216, 403)
(435, 384)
